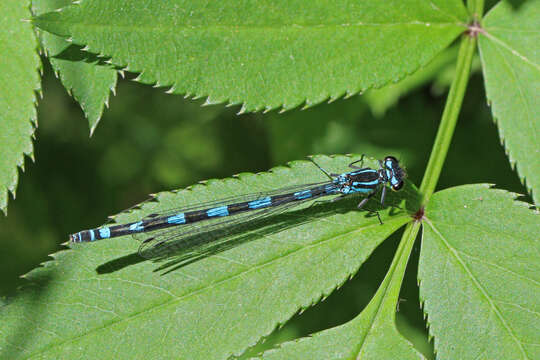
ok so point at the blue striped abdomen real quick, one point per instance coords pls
(155, 222)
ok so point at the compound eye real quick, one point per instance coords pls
(398, 186)
(392, 160)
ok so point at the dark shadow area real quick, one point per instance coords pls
(75, 53)
(516, 4)
(119, 263)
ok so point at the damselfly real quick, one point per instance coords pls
(174, 225)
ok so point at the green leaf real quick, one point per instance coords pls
(480, 276)
(78, 70)
(101, 298)
(19, 80)
(510, 54)
(371, 335)
(264, 54)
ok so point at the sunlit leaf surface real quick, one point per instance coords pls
(19, 80)
(263, 54)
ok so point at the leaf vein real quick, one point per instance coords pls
(519, 307)
(511, 50)
(174, 29)
(536, 282)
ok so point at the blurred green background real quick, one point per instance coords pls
(149, 141)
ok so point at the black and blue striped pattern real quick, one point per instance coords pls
(361, 181)
(190, 217)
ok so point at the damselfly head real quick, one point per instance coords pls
(396, 174)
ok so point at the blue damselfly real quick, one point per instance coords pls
(159, 228)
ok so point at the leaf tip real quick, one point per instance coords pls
(243, 110)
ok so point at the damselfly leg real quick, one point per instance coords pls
(361, 160)
(364, 202)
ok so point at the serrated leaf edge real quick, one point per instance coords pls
(515, 164)
(69, 89)
(11, 189)
(227, 102)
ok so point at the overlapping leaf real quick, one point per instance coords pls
(101, 300)
(510, 53)
(480, 276)
(89, 83)
(263, 54)
(19, 79)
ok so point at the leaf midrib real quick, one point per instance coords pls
(509, 48)
(503, 29)
(174, 28)
(173, 300)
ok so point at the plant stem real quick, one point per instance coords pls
(438, 154)
(449, 118)
(399, 263)
(476, 8)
